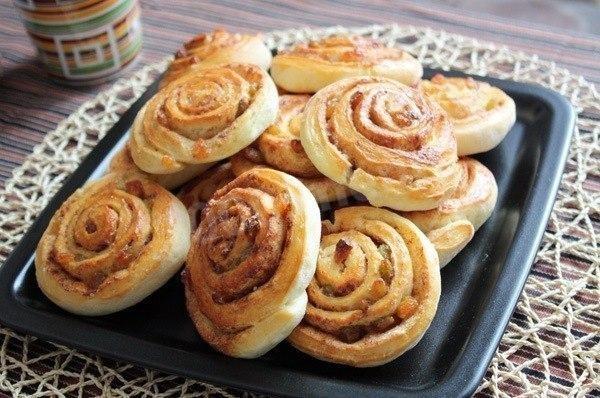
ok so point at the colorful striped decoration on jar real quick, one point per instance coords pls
(83, 41)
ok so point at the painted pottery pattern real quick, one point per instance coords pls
(83, 40)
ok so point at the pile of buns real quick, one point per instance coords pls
(320, 200)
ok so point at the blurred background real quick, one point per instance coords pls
(576, 15)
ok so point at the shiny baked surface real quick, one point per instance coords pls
(251, 258)
(111, 244)
(375, 289)
(308, 67)
(383, 139)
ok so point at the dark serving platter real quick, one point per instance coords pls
(480, 287)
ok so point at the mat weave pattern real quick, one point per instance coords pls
(552, 344)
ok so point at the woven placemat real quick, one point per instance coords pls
(552, 344)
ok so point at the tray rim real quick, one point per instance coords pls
(461, 380)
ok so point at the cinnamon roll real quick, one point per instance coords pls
(375, 290)
(206, 115)
(195, 194)
(279, 147)
(250, 261)
(309, 67)
(382, 139)
(482, 115)
(452, 224)
(122, 161)
(218, 47)
(111, 244)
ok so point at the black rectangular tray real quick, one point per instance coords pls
(480, 287)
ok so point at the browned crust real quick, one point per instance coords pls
(354, 324)
(116, 268)
(247, 255)
(346, 50)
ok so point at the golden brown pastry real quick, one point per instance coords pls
(452, 224)
(122, 162)
(206, 115)
(250, 261)
(450, 239)
(102, 251)
(279, 147)
(382, 139)
(218, 47)
(197, 192)
(375, 290)
(309, 67)
(482, 115)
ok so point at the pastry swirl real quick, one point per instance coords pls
(481, 114)
(195, 194)
(375, 290)
(452, 224)
(123, 162)
(279, 147)
(382, 139)
(309, 67)
(101, 251)
(206, 115)
(250, 261)
(218, 47)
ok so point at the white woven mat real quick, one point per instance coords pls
(552, 345)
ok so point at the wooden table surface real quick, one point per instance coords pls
(31, 105)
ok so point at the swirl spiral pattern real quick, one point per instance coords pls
(279, 147)
(452, 224)
(101, 253)
(250, 261)
(218, 47)
(382, 139)
(375, 290)
(206, 115)
(481, 114)
(309, 67)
